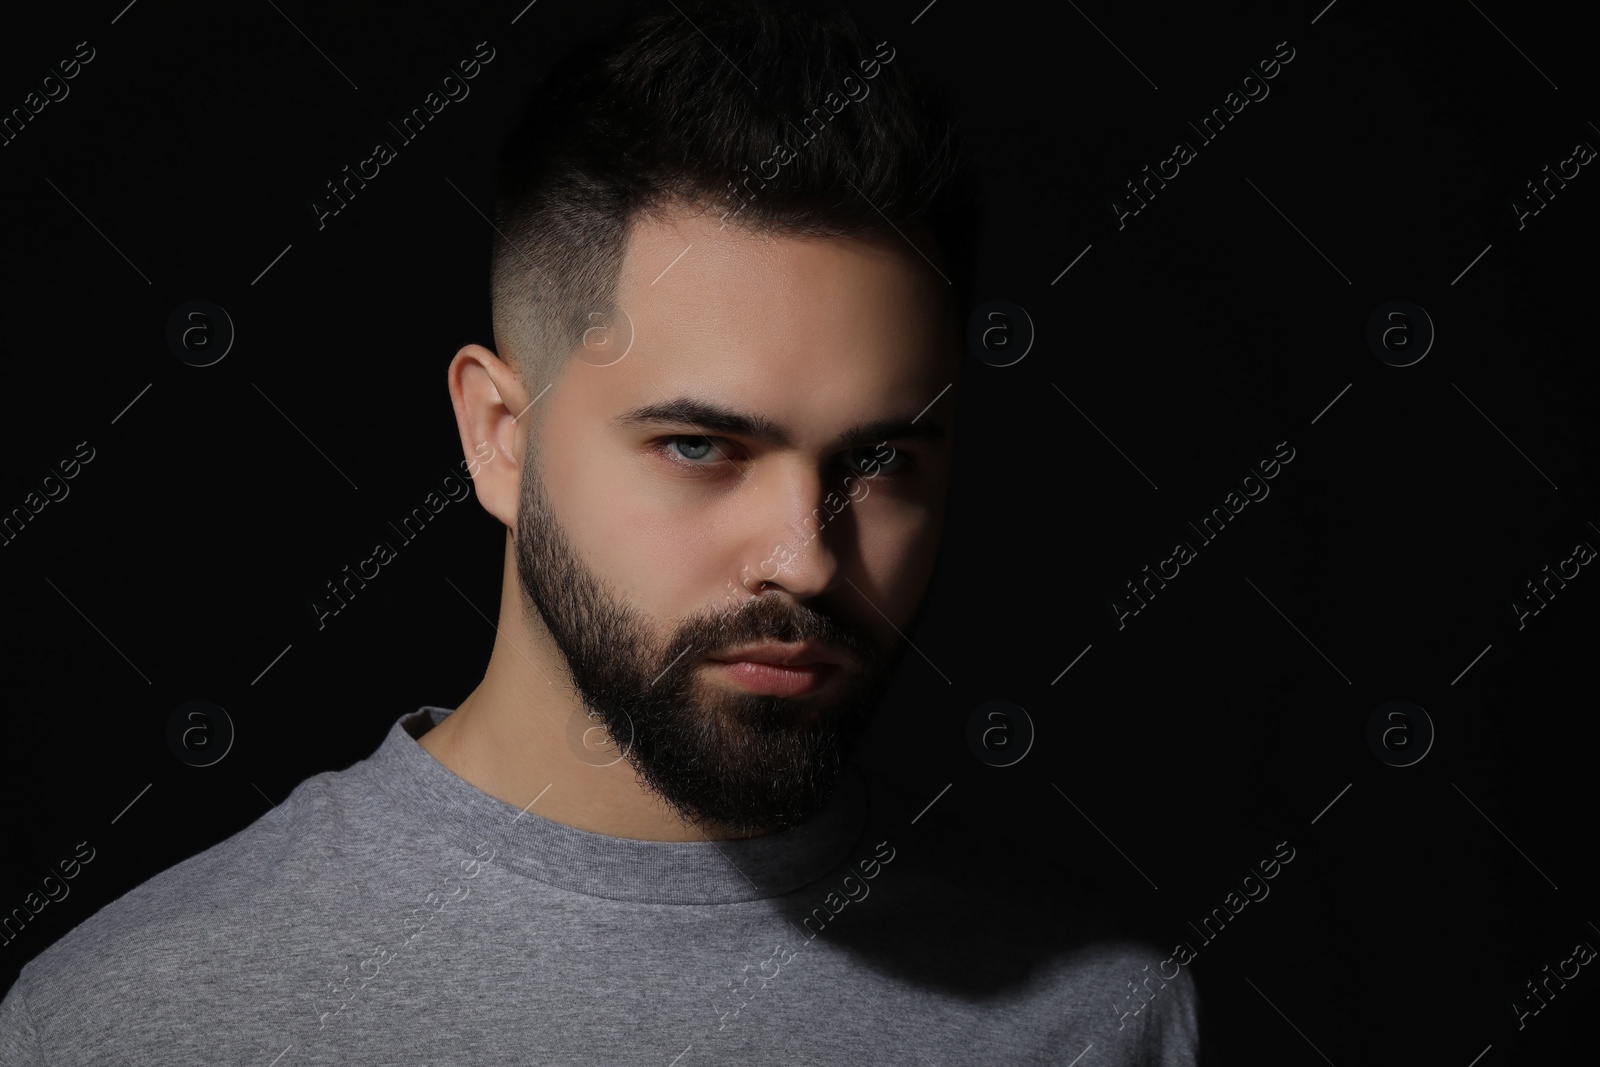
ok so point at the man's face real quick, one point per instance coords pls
(654, 546)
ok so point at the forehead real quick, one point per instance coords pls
(808, 331)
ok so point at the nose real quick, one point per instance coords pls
(793, 543)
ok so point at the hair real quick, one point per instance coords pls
(667, 112)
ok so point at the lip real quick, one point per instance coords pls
(771, 653)
(774, 680)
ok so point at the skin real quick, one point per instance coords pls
(653, 567)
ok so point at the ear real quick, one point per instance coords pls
(489, 399)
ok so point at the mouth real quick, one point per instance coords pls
(772, 679)
(779, 670)
(772, 653)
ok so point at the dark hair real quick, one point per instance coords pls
(680, 109)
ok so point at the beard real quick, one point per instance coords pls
(731, 762)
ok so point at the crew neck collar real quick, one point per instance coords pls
(599, 865)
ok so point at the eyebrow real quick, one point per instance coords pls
(705, 415)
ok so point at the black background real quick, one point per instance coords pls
(1222, 719)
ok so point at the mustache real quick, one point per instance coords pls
(769, 619)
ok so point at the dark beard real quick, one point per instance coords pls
(737, 762)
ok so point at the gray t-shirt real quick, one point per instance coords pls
(393, 913)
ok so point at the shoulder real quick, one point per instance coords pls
(20, 1043)
(982, 900)
(234, 899)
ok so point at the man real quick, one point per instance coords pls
(718, 430)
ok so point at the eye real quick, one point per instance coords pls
(703, 454)
(693, 450)
(879, 461)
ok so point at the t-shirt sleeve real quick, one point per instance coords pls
(1172, 1031)
(20, 1045)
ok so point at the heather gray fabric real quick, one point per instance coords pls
(392, 913)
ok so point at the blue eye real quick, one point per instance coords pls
(694, 452)
(700, 453)
(701, 450)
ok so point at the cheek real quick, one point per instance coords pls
(667, 557)
(615, 530)
(656, 544)
(897, 556)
